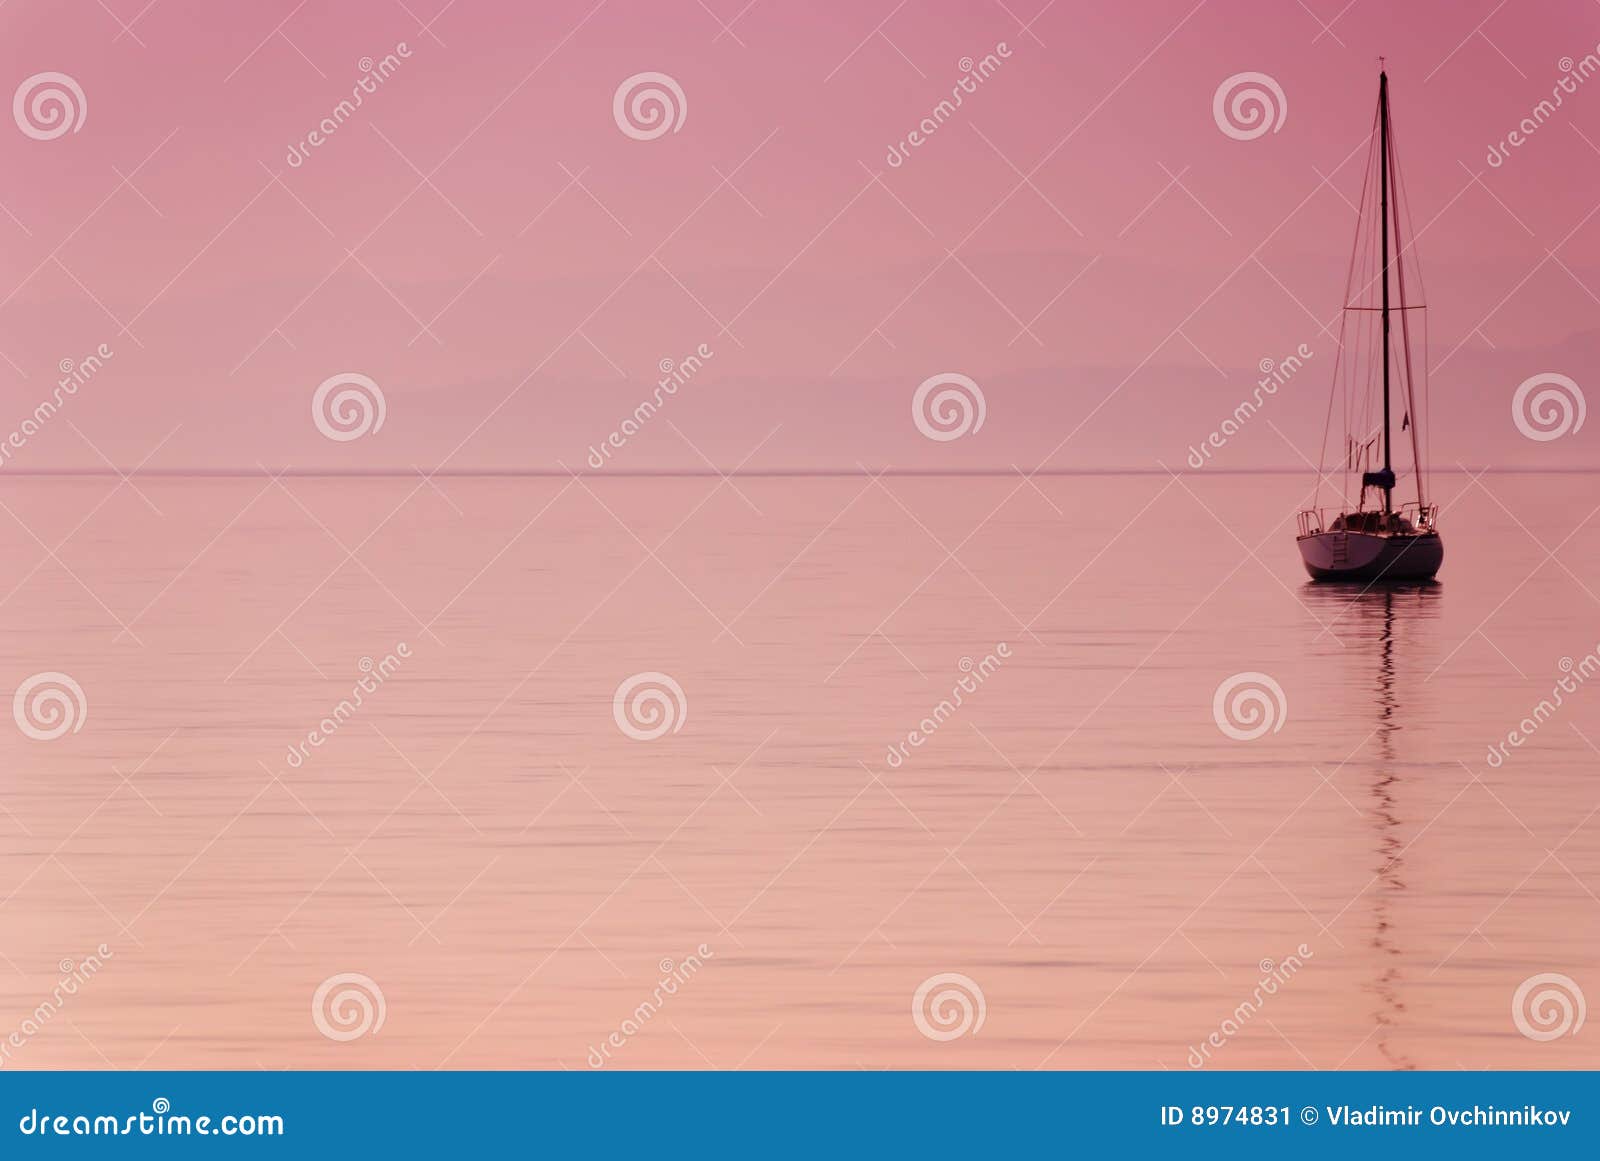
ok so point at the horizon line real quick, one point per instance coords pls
(714, 473)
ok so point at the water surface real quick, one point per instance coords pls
(1079, 837)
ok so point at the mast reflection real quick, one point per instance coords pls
(1381, 616)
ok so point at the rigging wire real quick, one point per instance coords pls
(1340, 363)
(1358, 362)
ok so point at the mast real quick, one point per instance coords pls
(1383, 195)
(1410, 400)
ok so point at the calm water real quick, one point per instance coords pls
(1079, 837)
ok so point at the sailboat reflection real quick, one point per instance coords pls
(1362, 619)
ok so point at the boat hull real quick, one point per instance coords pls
(1362, 556)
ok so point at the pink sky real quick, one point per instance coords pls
(1111, 315)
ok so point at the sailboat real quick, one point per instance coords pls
(1374, 540)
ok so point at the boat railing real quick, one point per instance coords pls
(1311, 521)
(1421, 517)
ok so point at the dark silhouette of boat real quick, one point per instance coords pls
(1374, 540)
